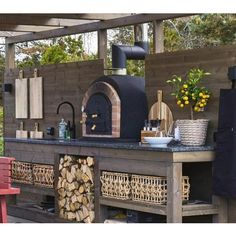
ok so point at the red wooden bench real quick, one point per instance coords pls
(5, 186)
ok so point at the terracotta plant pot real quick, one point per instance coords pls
(193, 132)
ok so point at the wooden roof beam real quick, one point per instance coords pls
(91, 16)
(25, 28)
(39, 20)
(84, 28)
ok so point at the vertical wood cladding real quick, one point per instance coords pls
(62, 82)
(216, 60)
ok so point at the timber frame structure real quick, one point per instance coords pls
(18, 28)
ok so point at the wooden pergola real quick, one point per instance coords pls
(18, 28)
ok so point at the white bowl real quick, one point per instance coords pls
(158, 141)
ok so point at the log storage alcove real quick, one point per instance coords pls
(75, 188)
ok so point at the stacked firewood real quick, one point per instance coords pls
(76, 188)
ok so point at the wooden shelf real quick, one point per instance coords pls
(34, 189)
(34, 214)
(187, 210)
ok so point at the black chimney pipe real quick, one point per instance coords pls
(121, 53)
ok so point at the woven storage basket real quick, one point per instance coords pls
(21, 172)
(43, 175)
(193, 132)
(153, 189)
(115, 185)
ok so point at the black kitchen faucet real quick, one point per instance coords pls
(73, 117)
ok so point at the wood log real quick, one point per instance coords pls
(85, 162)
(60, 167)
(61, 203)
(67, 206)
(89, 173)
(79, 174)
(90, 161)
(85, 178)
(62, 192)
(74, 198)
(92, 216)
(77, 193)
(73, 170)
(80, 198)
(63, 183)
(85, 211)
(81, 189)
(84, 200)
(69, 194)
(83, 168)
(69, 177)
(63, 172)
(87, 220)
(81, 215)
(61, 161)
(71, 215)
(61, 213)
(77, 216)
(77, 205)
(72, 186)
(72, 207)
(59, 182)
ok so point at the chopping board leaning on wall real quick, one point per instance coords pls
(161, 111)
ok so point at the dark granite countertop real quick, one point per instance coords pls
(172, 147)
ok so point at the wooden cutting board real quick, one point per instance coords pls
(36, 134)
(36, 97)
(21, 133)
(161, 111)
(21, 97)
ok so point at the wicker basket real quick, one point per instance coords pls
(193, 132)
(21, 172)
(43, 175)
(153, 189)
(115, 185)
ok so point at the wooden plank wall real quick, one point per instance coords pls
(216, 60)
(61, 82)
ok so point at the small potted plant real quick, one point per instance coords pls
(189, 93)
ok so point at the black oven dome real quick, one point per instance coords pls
(134, 108)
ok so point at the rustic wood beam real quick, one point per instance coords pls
(91, 16)
(10, 34)
(102, 45)
(10, 56)
(158, 36)
(40, 20)
(108, 24)
(25, 28)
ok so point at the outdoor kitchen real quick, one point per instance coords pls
(93, 145)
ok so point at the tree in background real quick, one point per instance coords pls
(59, 50)
(199, 31)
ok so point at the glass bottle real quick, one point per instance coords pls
(62, 129)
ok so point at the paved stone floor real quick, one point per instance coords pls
(12, 219)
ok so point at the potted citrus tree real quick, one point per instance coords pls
(188, 93)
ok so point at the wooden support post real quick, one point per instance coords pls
(100, 210)
(222, 204)
(174, 193)
(137, 33)
(10, 55)
(158, 37)
(102, 45)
